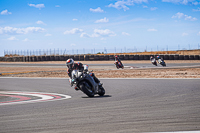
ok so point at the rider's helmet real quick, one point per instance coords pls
(70, 63)
(116, 57)
(158, 57)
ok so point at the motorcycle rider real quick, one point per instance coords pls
(152, 58)
(117, 60)
(159, 59)
(78, 66)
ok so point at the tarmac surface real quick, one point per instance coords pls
(129, 105)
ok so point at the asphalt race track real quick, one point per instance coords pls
(129, 105)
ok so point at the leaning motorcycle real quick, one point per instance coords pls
(119, 65)
(161, 62)
(153, 61)
(81, 80)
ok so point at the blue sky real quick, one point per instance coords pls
(99, 24)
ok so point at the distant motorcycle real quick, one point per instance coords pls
(81, 80)
(119, 65)
(153, 61)
(161, 62)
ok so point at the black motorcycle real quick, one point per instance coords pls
(119, 65)
(84, 82)
(153, 61)
(161, 62)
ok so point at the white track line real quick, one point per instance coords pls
(44, 98)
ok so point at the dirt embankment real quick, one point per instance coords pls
(104, 71)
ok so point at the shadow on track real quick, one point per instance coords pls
(105, 96)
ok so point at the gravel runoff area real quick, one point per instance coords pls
(102, 71)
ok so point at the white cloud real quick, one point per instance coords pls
(103, 33)
(12, 38)
(25, 40)
(85, 35)
(75, 19)
(99, 33)
(184, 2)
(104, 20)
(145, 6)
(40, 22)
(57, 6)
(197, 10)
(198, 33)
(186, 17)
(73, 31)
(39, 6)
(184, 34)
(152, 30)
(125, 34)
(48, 35)
(123, 4)
(11, 30)
(153, 8)
(96, 10)
(5, 12)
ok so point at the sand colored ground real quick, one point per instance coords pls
(103, 71)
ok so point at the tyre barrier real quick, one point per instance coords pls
(186, 57)
(196, 57)
(126, 57)
(136, 57)
(146, 57)
(96, 58)
(181, 57)
(176, 57)
(171, 57)
(141, 57)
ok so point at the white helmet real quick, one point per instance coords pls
(70, 63)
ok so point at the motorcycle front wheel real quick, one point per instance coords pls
(101, 91)
(87, 89)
